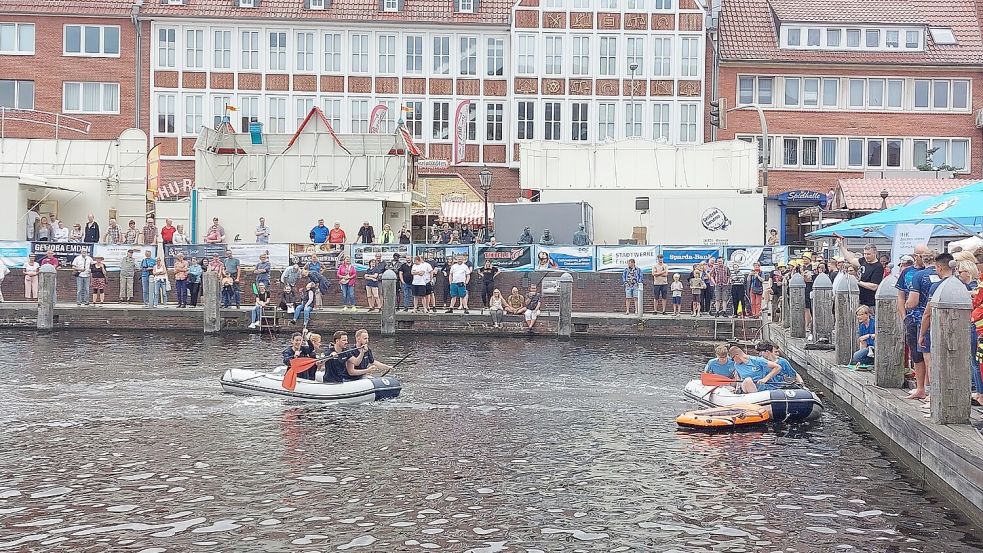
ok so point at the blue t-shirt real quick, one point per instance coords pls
(714, 367)
(147, 265)
(319, 234)
(935, 286)
(379, 269)
(787, 374)
(867, 328)
(756, 368)
(904, 280)
(922, 283)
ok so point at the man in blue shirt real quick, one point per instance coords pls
(918, 295)
(787, 374)
(756, 373)
(319, 234)
(721, 365)
(146, 267)
(631, 277)
(943, 271)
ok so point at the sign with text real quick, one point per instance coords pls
(567, 258)
(743, 259)
(14, 254)
(114, 253)
(615, 258)
(197, 251)
(363, 253)
(65, 251)
(327, 254)
(677, 258)
(906, 237)
(506, 258)
(248, 254)
(440, 252)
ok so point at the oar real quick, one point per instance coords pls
(712, 379)
(297, 365)
(396, 364)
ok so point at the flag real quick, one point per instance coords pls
(230, 107)
(462, 116)
(297, 365)
(153, 172)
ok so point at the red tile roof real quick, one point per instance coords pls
(749, 30)
(505, 181)
(490, 12)
(118, 8)
(865, 194)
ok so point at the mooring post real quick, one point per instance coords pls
(640, 300)
(797, 306)
(565, 324)
(388, 303)
(211, 296)
(889, 342)
(47, 297)
(822, 309)
(846, 299)
(950, 334)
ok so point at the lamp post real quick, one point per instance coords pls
(632, 67)
(884, 195)
(485, 183)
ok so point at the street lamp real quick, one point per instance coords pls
(632, 67)
(485, 183)
(884, 195)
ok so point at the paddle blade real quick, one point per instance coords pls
(297, 365)
(711, 379)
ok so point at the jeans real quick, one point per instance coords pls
(974, 366)
(407, 295)
(160, 291)
(347, 294)
(228, 296)
(488, 288)
(737, 298)
(182, 291)
(237, 293)
(304, 309)
(256, 314)
(497, 315)
(145, 282)
(83, 294)
(195, 290)
(862, 358)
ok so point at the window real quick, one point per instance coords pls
(942, 35)
(855, 152)
(472, 126)
(875, 93)
(414, 54)
(165, 45)
(922, 92)
(688, 123)
(554, 55)
(386, 123)
(496, 57)
(663, 4)
(387, 54)
(493, 122)
(16, 94)
(872, 38)
(581, 55)
(360, 53)
(414, 118)
(960, 94)
(912, 39)
(332, 112)
(794, 36)
(315, 4)
(165, 111)
(745, 90)
(278, 51)
(582, 4)
(765, 91)
(551, 111)
(465, 6)
(304, 106)
(810, 92)
(833, 37)
(360, 116)
(857, 87)
(441, 121)
(940, 94)
(895, 93)
(605, 122)
(276, 116)
(469, 55)
(810, 152)
(633, 119)
(790, 156)
(305, 52)
(689, 57)
(103, 41)
(831, 93)
(636, 55)
(248, 111)
(390, 5)
(16, 38)
(526, 60)
(608, 56)
(194, 49)
(959, 155)
(813, 36)
(553, 4)
(250, 50)
(954, 153)
(96, 98)
(194, 113)
(875, 147)
(941, 147)
(609, 4)
(222, 48)
(635, 5)
(527, 120)
(441, 55)
(332, 53)
(663, 57)
(893, 153)
(829, 152)
(891, 39)
(219, 109)
(853, 38)
(578, 118)
(791, 91)
(660, 121)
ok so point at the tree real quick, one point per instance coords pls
(928, 164)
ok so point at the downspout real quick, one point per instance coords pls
(137, 64)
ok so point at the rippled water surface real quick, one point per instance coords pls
(127, 443)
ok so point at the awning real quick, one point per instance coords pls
(471, 213)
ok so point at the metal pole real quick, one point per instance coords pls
(765, 151)
(486, 215)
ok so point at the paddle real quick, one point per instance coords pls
(297, 365)
(396, 364)
(711, 379)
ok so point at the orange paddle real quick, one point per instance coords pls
(711, 379)
(297, 365)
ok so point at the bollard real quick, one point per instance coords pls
(822, 309)
(889, 343)
(388, 303)
(846, 300)
(211, 301)
(47, 297)
(797, 306)
(640, 300)
(565, 323)
(784, 316)
(951, 306)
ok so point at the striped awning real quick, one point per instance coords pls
(472, 213)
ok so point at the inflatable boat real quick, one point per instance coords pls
(724, 418)
(266, 383)
(787, 405)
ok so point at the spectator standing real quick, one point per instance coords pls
(405, 273)
(660, 280)
(91, 230)
(181, 268)
(228, 289)
(885, 262)
(387, 236)
(347, 275)
(868, 267)
(405, 235)
(421, 271)
(677, 294)
(195, 271)
(179, 236)
(132, 235)
(159, 294)
(372, 279)
(467, 235)
(366, 234)
(234, 269)
(82, 268)
(146, 274)
(50, 259)
(720, 280)
(696, 286)
(32, 218)
(127, 270)
(216, 233)
(262, 270)
(756, 286)
(44, 232)
(336, 236)
(496, 307)
(488, 274)
(61, 232)
(99, 280)
(262, 232)
(931, 282)
(314, 267)
(867, 333)
(167, 232)
(114, 235)
(459, 274)
(738, 293)
(31, 270)
(319, 234)
(76, 235)
(442, 279)
(149, 233)
(631, 278)
(216, 265)
(533, 303)
(261, 300)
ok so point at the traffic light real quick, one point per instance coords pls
(718, 113)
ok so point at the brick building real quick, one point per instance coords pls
(851, 89)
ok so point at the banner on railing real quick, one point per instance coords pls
(743, 259)
(681, 257)
(65, 251)
(113, 254)
(248, 254)
(565, 258)
(363, 253)
(438, 253)
(14, 254)
(615, 258)
(506, 258)
(327, 254)
(196, 251)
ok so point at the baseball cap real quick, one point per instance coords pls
(764, 346)
(907, 259)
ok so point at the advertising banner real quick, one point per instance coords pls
(906, 237)
(566, 258)
(677, 258)
(362, 253)
(327, 254)
(440, 252)
(197, 251)
(615, 258)
(65, 251)
(14, 254)
(248, 254)
(743, 259)
(114, 253)
(506, 258)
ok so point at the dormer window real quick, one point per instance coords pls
(390, 5)
(315, 4)
(942, 35)
(174, 2)
(465, 6)
(883, 39)
(247, 3)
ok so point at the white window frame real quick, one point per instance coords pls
(580, 63)
(441, 55)
(276, 115)
(359, 59)
(302, 106)
(19, 49)
(414, 118)
(662, 121)
(494, 122)
(465, 6)
(306, 48)
(249, 47)
(316, 4)
(249, 109)
(554, 54)
(441, 121)
(194, 48)
(166, 50)
(689, 58)
(278, 60)
(495, 55)
(332, 112)
(579, 121)
(635, 53)
(662, 56)
(165, 107)
(194, 113)
(552, 120)
(18, 84)
(390, 5)
(525, 112)
(634, 119)
(218, 102)
(387, 55)
(102, 41)
(607, 57)
(103, 88)
(853, 37)
(222, 49)
(414, 56)
(607, 121)
(333, 52)
(689, 123)
(525, 58)
(468, 53)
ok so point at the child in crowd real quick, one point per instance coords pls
(677, 294)
(696, 285)
(228, 290)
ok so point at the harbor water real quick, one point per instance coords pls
(127, 443)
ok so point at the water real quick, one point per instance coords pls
(126, 443)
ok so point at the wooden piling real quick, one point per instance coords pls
(846, 300)
(889, 343)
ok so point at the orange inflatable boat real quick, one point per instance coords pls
(724, 418)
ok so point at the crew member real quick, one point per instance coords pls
(787, 375)
(299, 350)
(722, 365)
(342, 365)
(755, 372)
(368, 360)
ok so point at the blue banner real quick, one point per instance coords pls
(14, 254)
(565, 258)
(684, 258)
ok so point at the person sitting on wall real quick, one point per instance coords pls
(580, 237)
(867, 335)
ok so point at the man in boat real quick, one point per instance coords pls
(368, 361)
(787, 375)
(721, 365)
(299, 349)
(755, 373)
(342, 363)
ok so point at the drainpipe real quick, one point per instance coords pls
(137, 64)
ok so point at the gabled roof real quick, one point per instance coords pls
(113, 8)
(749, 30)
(490, 12)
(865, 194)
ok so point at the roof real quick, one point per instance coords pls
(505, 181)
(490, 12)
(118, 8)
(865, 194)
(749, 30)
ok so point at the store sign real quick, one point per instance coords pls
(432, 163)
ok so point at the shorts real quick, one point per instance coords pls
(927, 348)
(677, 300)
(420, 290)
(459, 289)
(631, 292)
(911, 339)
(531, 315)
(721, 292)
(372, 291)
(429, 289)
(660, 292)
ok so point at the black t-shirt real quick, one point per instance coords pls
(406, 271)
(336, 368)
(488, 274)
(367, 360)
(873, 273)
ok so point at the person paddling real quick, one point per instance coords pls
(756, 373)
(342, 365)
(722, 365)
(298, 349)
(368, 360)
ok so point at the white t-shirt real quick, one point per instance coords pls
(82, 264)
(460, 272)
(421, 274)
(32, 219)
(61, 234)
